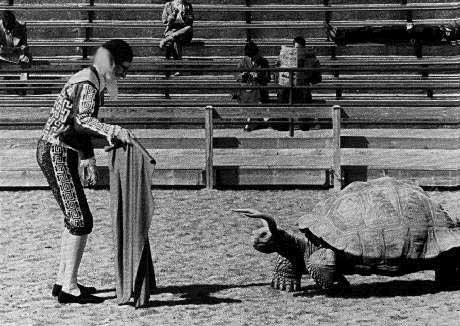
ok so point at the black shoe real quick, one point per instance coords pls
(247, 128)
(84, 289)
(334, 35)
(331, 32)
(83, 298)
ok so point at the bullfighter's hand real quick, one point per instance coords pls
(125, 136)
(89, 171)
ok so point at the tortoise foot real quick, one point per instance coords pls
(284, 284)
(286, 276)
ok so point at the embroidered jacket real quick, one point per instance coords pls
(73, 118)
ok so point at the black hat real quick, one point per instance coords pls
(120, 50)
(251, 49)
(8, 19)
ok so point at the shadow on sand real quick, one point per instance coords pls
(192, 294)
(404, 288)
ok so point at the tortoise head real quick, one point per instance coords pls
(265, 238)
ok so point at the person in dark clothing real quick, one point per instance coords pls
(178, 18)
(252, 60)
(66, 140)
(305, 59)
(409, 34)
(308, 59)
(13, 40)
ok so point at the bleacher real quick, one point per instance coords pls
(411, 92)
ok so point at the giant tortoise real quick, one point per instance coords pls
(383, 227)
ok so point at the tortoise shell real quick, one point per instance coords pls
(382, 220)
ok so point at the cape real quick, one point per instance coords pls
(131, 206)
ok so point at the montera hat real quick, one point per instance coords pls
(120, 50)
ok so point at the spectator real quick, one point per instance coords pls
(64, 142)
(305, 59)
(252, 60)
(410, 33)
(13, 40)
(178, 18)
(302, 78)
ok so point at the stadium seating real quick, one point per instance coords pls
(377, 86)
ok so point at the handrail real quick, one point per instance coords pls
(415, 103)
(159, 24)
(241, 8)
(157, 68)
(149, 41)
(217, 24)
(415, 67)
(161, 84)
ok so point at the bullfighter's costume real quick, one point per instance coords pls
(66, 137)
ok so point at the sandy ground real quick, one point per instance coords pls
(206, 269)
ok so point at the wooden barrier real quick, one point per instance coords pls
(336, 145)
(444, 161)
(209, 127)
(265, 157)
(325, 7)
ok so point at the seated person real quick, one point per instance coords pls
(252, 60)
(305, 59)
(13, 40)
(178, 18)
(302, 78)
(410, 33)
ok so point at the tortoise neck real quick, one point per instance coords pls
(292, 247)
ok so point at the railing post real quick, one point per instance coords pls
(327, 13)
(89, 30)
(409, 17)
(327, 20)
(291, 101)
(209, 147)
(248, 18)
(291, 127)
(336, 147)
(87, 33)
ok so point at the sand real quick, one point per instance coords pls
(206, 269)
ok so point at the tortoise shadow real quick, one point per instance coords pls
(403, 288)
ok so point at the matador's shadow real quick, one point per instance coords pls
(404, 288)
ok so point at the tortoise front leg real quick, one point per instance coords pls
(287, 275)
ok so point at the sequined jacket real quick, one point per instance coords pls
(73, 118)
